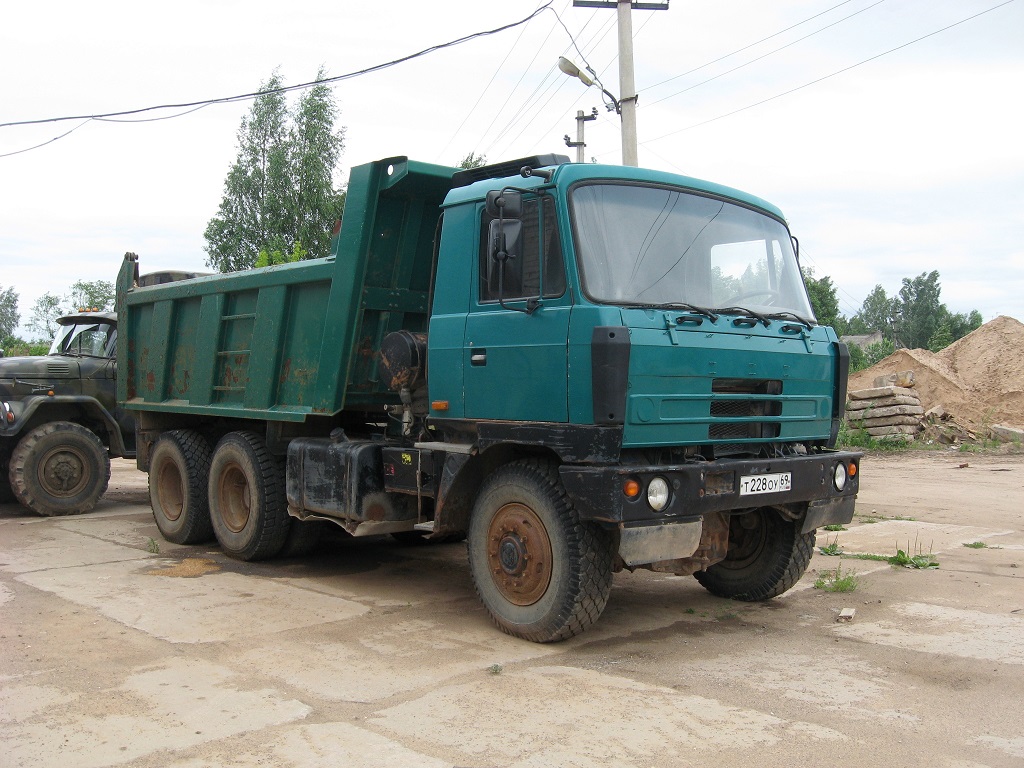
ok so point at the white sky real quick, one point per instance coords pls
(911, 162)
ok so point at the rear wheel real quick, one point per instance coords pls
(60, 468)
(542, 574)
(767, 555)
(247, 498)
(179, 473)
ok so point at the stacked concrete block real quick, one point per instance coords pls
(889, 410)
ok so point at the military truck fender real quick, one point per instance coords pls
(40, 410)
(59, 468)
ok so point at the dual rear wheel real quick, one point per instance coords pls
(233, 492)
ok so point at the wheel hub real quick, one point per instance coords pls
(62, 472)
(519, 554)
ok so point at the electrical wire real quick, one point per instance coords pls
(744, 48)
(763, 56)
(828, 76)
(479, 98)
(48, 141)
(289, 88)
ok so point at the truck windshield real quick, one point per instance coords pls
(90, 339)
(651, 246)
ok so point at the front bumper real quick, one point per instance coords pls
(701, 488)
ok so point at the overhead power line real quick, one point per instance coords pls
(288, 88)
(765, 55)
(826, 77)
(744, 48)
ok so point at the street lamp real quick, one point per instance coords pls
(628, 118)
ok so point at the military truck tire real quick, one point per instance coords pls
(179, 473)
(6, 492)
(60, 468)
(247, 498)
(542, 574)
(767, 555)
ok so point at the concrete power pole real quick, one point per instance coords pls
(582, 118)
(627, 86)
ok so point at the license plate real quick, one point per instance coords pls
(751, 484)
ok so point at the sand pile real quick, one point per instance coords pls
(979, 380)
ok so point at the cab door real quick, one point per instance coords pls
(515, 352)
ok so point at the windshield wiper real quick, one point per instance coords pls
(744, 311)
(792, 316)
(684, 305)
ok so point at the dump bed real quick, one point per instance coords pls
(284, 342)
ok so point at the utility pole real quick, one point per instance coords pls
(581, 119)
(627, 86)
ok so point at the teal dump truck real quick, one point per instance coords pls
(579, 368)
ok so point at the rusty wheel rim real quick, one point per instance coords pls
(519, 554)
(234, 498)
(64, 471)
(169, 486)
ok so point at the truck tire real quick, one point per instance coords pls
(60, 468)
(767, 555)
(6, 492)
(179, 475)
(542, 574)
(247, 498)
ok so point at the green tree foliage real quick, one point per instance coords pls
(877, 313)
(9, 315)
(472, 160)
(280, 190)
(824, 300)
(878, 351)
(272, 258)
(45, 312)
(942, 337)
(858, 360)
(918, 310)
(97, 294)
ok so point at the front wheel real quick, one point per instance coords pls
(767, 555)
(542, 574)
(60, 468)
(247, 498)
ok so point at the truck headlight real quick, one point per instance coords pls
(839, 476)
(657, 494)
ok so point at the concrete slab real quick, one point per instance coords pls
(147, 596)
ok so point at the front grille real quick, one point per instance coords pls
(753, 400)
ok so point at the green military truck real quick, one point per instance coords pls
(580, 368)
(59, 419)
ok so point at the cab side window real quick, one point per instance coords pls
(535, 258)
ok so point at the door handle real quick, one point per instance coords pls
(479, 357)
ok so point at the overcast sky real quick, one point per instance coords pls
(890, 165)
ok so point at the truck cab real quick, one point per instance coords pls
(59, 418)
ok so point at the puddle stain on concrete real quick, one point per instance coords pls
(189, 568)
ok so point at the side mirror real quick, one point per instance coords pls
(505, 238)
(504, 203)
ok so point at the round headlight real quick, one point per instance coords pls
(839, 478)
(657, 494)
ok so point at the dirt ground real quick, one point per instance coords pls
(368, 654)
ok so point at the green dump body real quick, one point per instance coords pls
(284, 342)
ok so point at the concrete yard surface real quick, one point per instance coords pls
(120, 649)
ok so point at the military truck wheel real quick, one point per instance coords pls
(542, 574)
(179, 473)
(767, 555)
(6, 492)
(60, 468)
(247, 498)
